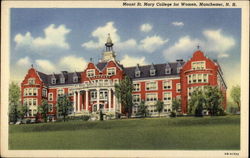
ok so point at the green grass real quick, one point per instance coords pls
(210, 133)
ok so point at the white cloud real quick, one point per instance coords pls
(133, 61)
(45, 65)
(146, 27)
(150, 44)
(218, 43)
(53, 37)
(177, 23)
(72, 63)
(182, 48)
(101, 34)
(131, 43)
(24, 62)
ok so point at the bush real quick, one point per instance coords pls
(172, 114)
(85, 118)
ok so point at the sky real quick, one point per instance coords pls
(58, 39)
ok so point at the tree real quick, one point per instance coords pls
(213, 100)
(64, 106)
(44, 109)
(142, 109)
(159, 106)
(123, 92)
(23, 111)
(176, 104)
(14, 97)
(196, 103)
(235, 95)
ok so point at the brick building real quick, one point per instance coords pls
(93, 88)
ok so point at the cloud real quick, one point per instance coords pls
(131, 43)
(176, 23)
(24, 62)
(146, 27)
(72, 63)
(128, 61)
(218, 42)
(182, 48)
(45, 65)
(101, 33)
(53, 37)
(150, 44)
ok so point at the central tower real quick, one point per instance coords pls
(109, 54)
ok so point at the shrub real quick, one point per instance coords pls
(172, 114)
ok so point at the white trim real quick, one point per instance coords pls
(111, 68)
(139, 87)
(138, 94)
(49, 96)
(155, 79)
(87, 71)
(167, 101)
(171, 84)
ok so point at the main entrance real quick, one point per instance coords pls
(94, 107)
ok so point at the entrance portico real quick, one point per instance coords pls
(93, 97)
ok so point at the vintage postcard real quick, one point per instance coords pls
(124, 78)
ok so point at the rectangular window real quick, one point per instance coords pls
(189, 79)
(205, 78)
(31, 81)
(136, 98)
(199, 78)
(25, 102)
(167, 96)
(152, 72)
(168, 71)
(44, 92)
(111, 71)
(194, 78)
(30, 91)
(151, 86)
(137, 73)
(60, 92)
(75, 79)
(93, 94)
(178, 87)
(136, 87)
(53, 80)
(199, 65)
(50, 96)
(30, 102)
(167, 85)
(116, 81)
(50, 107)
(35, 91)
(25, 92)
(62, 80)
(91, 73)
(34, 102)
(151, 97)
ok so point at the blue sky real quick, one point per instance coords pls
(65, 39)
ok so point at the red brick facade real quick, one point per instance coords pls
(93, 88)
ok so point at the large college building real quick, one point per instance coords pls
(93, 88)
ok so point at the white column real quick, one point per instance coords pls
(87, 100)
(98, 98)
(109, 99)
(114, 100)
(78, 101)
(74, 101)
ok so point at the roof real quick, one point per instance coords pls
(68, 78)
(145, 70)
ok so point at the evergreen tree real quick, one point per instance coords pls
(159, 106)
(235, 95)
(64, 106)
(14, 97)
(142, 109)
(44, 109)
(176, 105)
(123, 92)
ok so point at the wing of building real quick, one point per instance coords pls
(93, 88)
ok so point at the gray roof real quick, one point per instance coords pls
(145, 70)
(68, 78)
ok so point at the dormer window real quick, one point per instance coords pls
(91, 73)
(75, 79)
(111, 71)
(137, 73)
(168, 71)
(31, 81)
(53, 80)
(178, 69)
(62, 80)
(152, 72)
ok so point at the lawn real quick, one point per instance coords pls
(208, 133)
